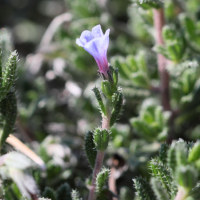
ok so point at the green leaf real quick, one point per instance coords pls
(75, 195)
(140, 79)
(116, 108)
(160, 192)
(63, 192)
(6, 45)
(181, 153)
(99, 100)
(107, 89)
(162, 173)
(10, 113)
(101, 139)
(143, 189)
(194, 153)
(186, 176)
(115, 77)
(143, 129)
(119, 63)
(163, 153)
(101, 179)
(171, 158)
(131, 63)
(49, 193)
(90, 148)
(9, 73)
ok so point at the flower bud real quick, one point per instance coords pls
(96, 43)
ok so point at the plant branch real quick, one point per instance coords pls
(162, 61)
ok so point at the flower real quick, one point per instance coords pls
(96, 43)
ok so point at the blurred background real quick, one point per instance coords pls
(56, 104)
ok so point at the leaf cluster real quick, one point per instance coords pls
(175, 170)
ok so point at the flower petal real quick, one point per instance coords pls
(78, 41)
(95, 47)
(86, 36)
(105, 40)
(97, 31)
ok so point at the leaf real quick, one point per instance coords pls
(160, 192)
(90, 148)
(63, 192)
(49, 193)
(101, 179)
(143, 189)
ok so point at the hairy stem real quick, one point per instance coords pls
(181, 194)
(98, 165)
(99, 162)
(34, 197)
(162, 61)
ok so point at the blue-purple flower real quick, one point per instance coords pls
(96, 43)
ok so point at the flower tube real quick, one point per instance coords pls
(96, 43)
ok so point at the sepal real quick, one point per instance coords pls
(100, 100)
(117, 105)
(115, 77)
(107, 89)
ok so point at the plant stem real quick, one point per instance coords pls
(34, 197)
(162, 61)
(181, 194)
(99, 162)
(98, 165)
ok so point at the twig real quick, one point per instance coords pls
(162, 61)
